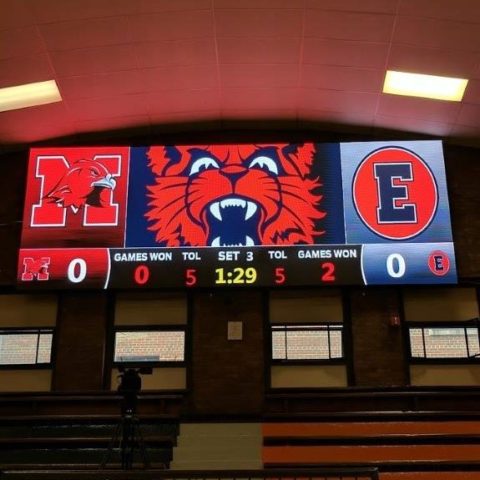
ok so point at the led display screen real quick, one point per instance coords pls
(366, 213)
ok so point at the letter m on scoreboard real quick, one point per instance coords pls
(76, 195)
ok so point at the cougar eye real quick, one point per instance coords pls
(204, 163)
(265, 163)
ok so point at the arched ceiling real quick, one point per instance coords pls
(143, 64)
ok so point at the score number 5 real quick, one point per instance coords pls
(190, 277)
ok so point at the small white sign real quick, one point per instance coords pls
(235, 331)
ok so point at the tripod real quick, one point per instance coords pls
(128, 435)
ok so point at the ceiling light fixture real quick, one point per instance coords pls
(29, 95)
(426, 86)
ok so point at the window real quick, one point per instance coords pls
(150, 345)
(307, 342)
(26, 346)
(441, 341)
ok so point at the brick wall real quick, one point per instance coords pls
(81, 342)
(227, 376)
(463, 172)
(378, 348)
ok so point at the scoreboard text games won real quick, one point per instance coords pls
(237, 215)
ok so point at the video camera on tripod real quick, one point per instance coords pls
(128, 433)
(129, 386)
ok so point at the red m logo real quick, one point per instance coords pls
(83, 187)
(35, 269)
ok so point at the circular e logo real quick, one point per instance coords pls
(394, 193)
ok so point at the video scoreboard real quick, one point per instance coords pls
(266, 215)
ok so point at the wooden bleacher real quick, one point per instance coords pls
(78, 442)
(304, 474)
(385, 434)
(383, 444)
(407, 433)
(86, 403)
(310, 403)
(75, 431)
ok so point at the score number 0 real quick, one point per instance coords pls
(396, 265)
(77, 270)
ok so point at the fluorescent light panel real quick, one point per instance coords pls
(426, 86)
(29, 95)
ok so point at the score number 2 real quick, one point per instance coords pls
(328, 269)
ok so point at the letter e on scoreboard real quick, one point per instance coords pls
(394, 193)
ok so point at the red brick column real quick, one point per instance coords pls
(227, 376)
(80, 341)
(378, 347)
